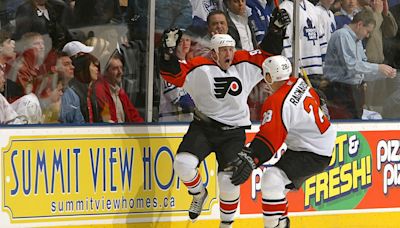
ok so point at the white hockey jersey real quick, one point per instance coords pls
(327, 19)
(292, 115)
(312, 38)
(221, 95)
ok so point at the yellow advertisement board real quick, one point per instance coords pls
(101, 176)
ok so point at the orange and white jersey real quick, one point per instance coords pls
(221, 95)
(292, 115)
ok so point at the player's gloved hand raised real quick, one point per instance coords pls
(171, 37)
(280, 19)
(169, 40)
(242, 167)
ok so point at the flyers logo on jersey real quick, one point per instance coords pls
(229, 85)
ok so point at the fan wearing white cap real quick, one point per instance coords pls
(291, 115)
(76, 48)
(219, 88)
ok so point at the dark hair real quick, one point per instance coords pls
(366, 16)
(214, 12)
(4, 35)
(81, 64)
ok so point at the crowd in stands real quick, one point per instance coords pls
(53, 71)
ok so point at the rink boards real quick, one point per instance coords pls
(121, 176)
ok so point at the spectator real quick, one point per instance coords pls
(239, 27)
(348, 9)
(64, 68)
(259, 18)
(113, 102)
(312, 39)
(386, 27)
(200, 11)
(28, 106)
(391, 106)
(78, 103)
(76, 48)
(347, 68)
(102, 49)
(326, 16)
(7, 60)
(7, 113)
(175, 103)
(29, 68)
(50, 101)
(216, 24)
(336, 6)
(44, 17)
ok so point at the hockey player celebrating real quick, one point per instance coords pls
(292, 114)
(219, 88)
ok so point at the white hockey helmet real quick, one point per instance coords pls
(279, 67)
(221, 40)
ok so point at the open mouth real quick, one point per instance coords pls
(227, 60)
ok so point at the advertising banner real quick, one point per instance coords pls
(364, 173)
(94, 176)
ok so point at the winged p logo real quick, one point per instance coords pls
(225, 85)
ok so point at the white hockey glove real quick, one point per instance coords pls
(170, 39)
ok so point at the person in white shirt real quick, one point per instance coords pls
(327, 17)
(238, 24)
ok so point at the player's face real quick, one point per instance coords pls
(217, 24)
(225, 57)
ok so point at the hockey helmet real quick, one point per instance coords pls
(221, 40)
(279, 67)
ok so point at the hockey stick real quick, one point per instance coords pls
(276, 2)
(304, 73)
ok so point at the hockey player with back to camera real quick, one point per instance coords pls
(219, 88)
(292, 114)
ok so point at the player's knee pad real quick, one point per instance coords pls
(227, 190)
(185, 165)
(273, 183)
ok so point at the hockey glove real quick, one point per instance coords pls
(242, 167)
(169, 40)
(280, 19)
(186, 103)
(323, 100)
